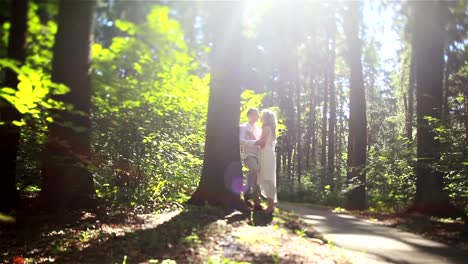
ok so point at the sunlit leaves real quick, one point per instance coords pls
(126, 27)
(149, 111)
(41, 37)
(32, 95)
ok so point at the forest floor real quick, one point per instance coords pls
(175, 235)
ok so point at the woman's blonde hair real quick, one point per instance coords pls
(269, 119)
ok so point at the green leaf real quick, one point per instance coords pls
(8, 90)
(18, 123)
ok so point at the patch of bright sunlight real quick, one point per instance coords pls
(339, 210)
(315, 217)
(220, 260)
(250, 237)
(373, 240)
(445, 220)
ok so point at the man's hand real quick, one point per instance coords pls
(260, 143)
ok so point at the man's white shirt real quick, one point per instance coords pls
(248, 135)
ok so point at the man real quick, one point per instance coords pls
(249, 134)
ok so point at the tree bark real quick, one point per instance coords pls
(9, 133)
(428, 46)
(356, 197)
(67, 182)
(221, 179)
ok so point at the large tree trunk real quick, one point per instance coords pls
(67, 182)
(221, 179)
(356, 198)
(9, 133)
(332, 99)
(429, 50)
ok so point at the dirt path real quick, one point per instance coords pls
(383, 244)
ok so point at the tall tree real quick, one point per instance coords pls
(221, 179)
(298, 125)
(9, 133)
(356, 198)
(428, 46)
(332, 99)
(67, 182)
(323, 157)
(411, 86)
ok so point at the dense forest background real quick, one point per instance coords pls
(357, 129)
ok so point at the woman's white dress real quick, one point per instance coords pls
(267, 175)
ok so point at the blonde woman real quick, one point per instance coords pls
(267, 158)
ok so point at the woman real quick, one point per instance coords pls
(267, 159)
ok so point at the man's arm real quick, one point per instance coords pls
(242, 137)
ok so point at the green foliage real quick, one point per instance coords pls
(149, 112)
(250, 99)
(390, 174)
(33, 95)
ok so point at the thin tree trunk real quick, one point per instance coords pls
(445, 87)
(323, 157)
(290, 133)
(428, 45)
(221, 179)
(411, 84)
(9, 133)
(298, 127)
(340, 136)
(311, 157)
(314, 143)
(67, 182)
(332, 97)
(466, 120)
(356, 198)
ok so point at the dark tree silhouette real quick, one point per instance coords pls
(221, 179)
(356, 198)
(67, 182)
(428, 46)
(10, 134)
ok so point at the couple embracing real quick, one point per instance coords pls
(258, 154)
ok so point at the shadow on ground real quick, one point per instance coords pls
(108, 235)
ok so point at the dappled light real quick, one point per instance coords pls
(226, 132)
